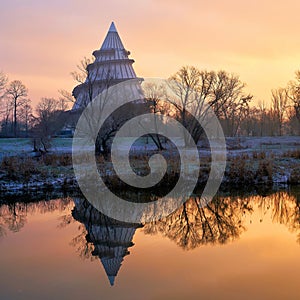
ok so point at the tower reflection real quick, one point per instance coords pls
(190, 226)
(111, 239)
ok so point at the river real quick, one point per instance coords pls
(242, 246)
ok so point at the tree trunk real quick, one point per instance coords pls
(15, 117)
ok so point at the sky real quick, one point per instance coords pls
(43, 41)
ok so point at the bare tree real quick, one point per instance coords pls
(65, 98)
(90, 86)
(5, 107)
(83, 77)
(279, 107)
(26, 116)
(17, 91)
(7, 117)
(81, 74)
(293, 92)
(193, 89)
(262, 112)
(293, 122)
(87, 76)
(199, 91)
(50, 118)
(154, 94)
(3, 83)
(228, 101)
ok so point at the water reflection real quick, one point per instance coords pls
(13, 216)
(191, 226)
(222, 220)
(100, 238)
(106, 238)
(285, 209)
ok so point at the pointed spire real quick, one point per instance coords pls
(112, 39)
(112, 258)
(112, 27)
(111, 280)
(112, 61)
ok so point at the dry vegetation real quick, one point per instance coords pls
(26, 169)
(245, 169)
(250, 168)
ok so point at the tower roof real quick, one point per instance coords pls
(111, 66)
(112, 27)
(112, 39)
(112, 267)
(111, 280)
(111, 243)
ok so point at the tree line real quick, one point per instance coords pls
(237, 111)
(222, 91)
(197, 90)
(19, 119)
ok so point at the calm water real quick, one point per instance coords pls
(244, 247)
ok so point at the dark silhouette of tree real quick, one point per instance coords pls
(3, 83)
(199, 91)
(17, 91)
(279, 107)
(84, 247)
(293, 92)
(285, 209)
(13, 216)
(154, 95)
(191, 226)
(26, 116)
(6, 112)
(89, 87)
(50, 119)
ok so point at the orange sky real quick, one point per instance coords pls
(42, 41)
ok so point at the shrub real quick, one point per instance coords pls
(295, 176)
(19, 168)
(57, 159)
(239, 171)
(292, 154)
(259, 155)
(264, 171)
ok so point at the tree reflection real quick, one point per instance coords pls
(13, 216)
(222, 220)
(192, 226)
(83, 247)
(285, 209)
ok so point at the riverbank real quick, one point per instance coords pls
(250, 161)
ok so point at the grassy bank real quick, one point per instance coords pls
(250, 161)
(56, 171)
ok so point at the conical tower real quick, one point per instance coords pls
(111, 66)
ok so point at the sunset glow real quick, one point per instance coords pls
(42, 42)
